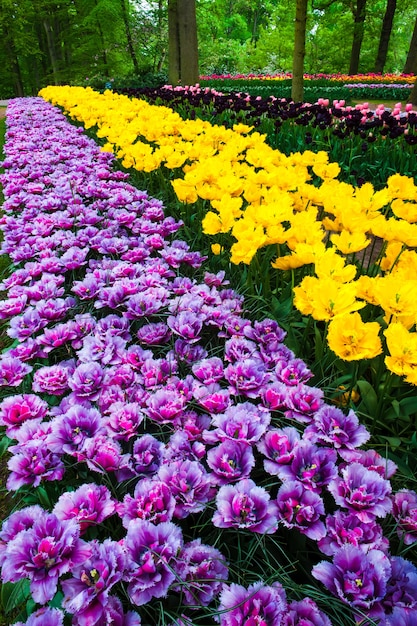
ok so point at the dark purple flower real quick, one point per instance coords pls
(278, 445)
(246, 506)
(201, 570)
(355, 577)
(330, 426)
(230, 461)
(301, 508)
(25, 325)
(258, 604)
(189, 352)
(86, 594)
(363, 492)
(90, 504)
(190, 485)
(347, 529)
(151, 551)
(152, 501)
(305, 613)
(15, 410)
(404, 511)
(314, 467)
(43, 553)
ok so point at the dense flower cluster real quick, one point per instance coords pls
(170, 405)
(264, 198)
(336, 78)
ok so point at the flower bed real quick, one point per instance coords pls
(267, 201)
(171, 461)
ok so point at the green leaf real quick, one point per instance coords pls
(4, 445)
(14, 594)
(408, 406)
(368, 396)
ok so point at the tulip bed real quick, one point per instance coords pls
(170, 459)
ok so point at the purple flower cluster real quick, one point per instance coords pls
(112, 383)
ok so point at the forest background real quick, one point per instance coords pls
(87, 41)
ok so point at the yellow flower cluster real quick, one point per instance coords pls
(295, 203)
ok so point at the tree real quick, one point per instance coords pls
(359, 15)
(410, 66)
(297, 87)
(182, 42)
(413, 95)
(386, 30)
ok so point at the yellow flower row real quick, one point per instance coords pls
(263, 198)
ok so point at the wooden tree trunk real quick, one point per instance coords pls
(50, 40)
(173, 44)
(413, 95)
(182, 42)
(129, 38)
(297, 87)
(188, 42)
(384, 38)
(358, 31)
(14, 64)
(410, 66)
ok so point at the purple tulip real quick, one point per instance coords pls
(363, 492)
(230, 461)
(201, 570)
(152, 501)
(404, 511)
(347, 529)
(189, 484)
(246, 378)
(314, 467)
(301, 508)
(258, 604)
(243, 422)
(43, 553)
(16, 410)
(246, 506)
(86, 593)
(331, 426)
(278, 445)
(90, 505)
(44, 616)
(305, 613)
(151, 550)
(12, 371)
(355, 577)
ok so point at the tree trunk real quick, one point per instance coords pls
(173, 44)
(385, 35)
(129, 36)
(358, 31)
(410, 66)
(14, 64)
(188, 42)
(51, 49)
(297, 87)
(183, 43)
(413, 95)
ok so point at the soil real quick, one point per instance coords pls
(2, 112)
